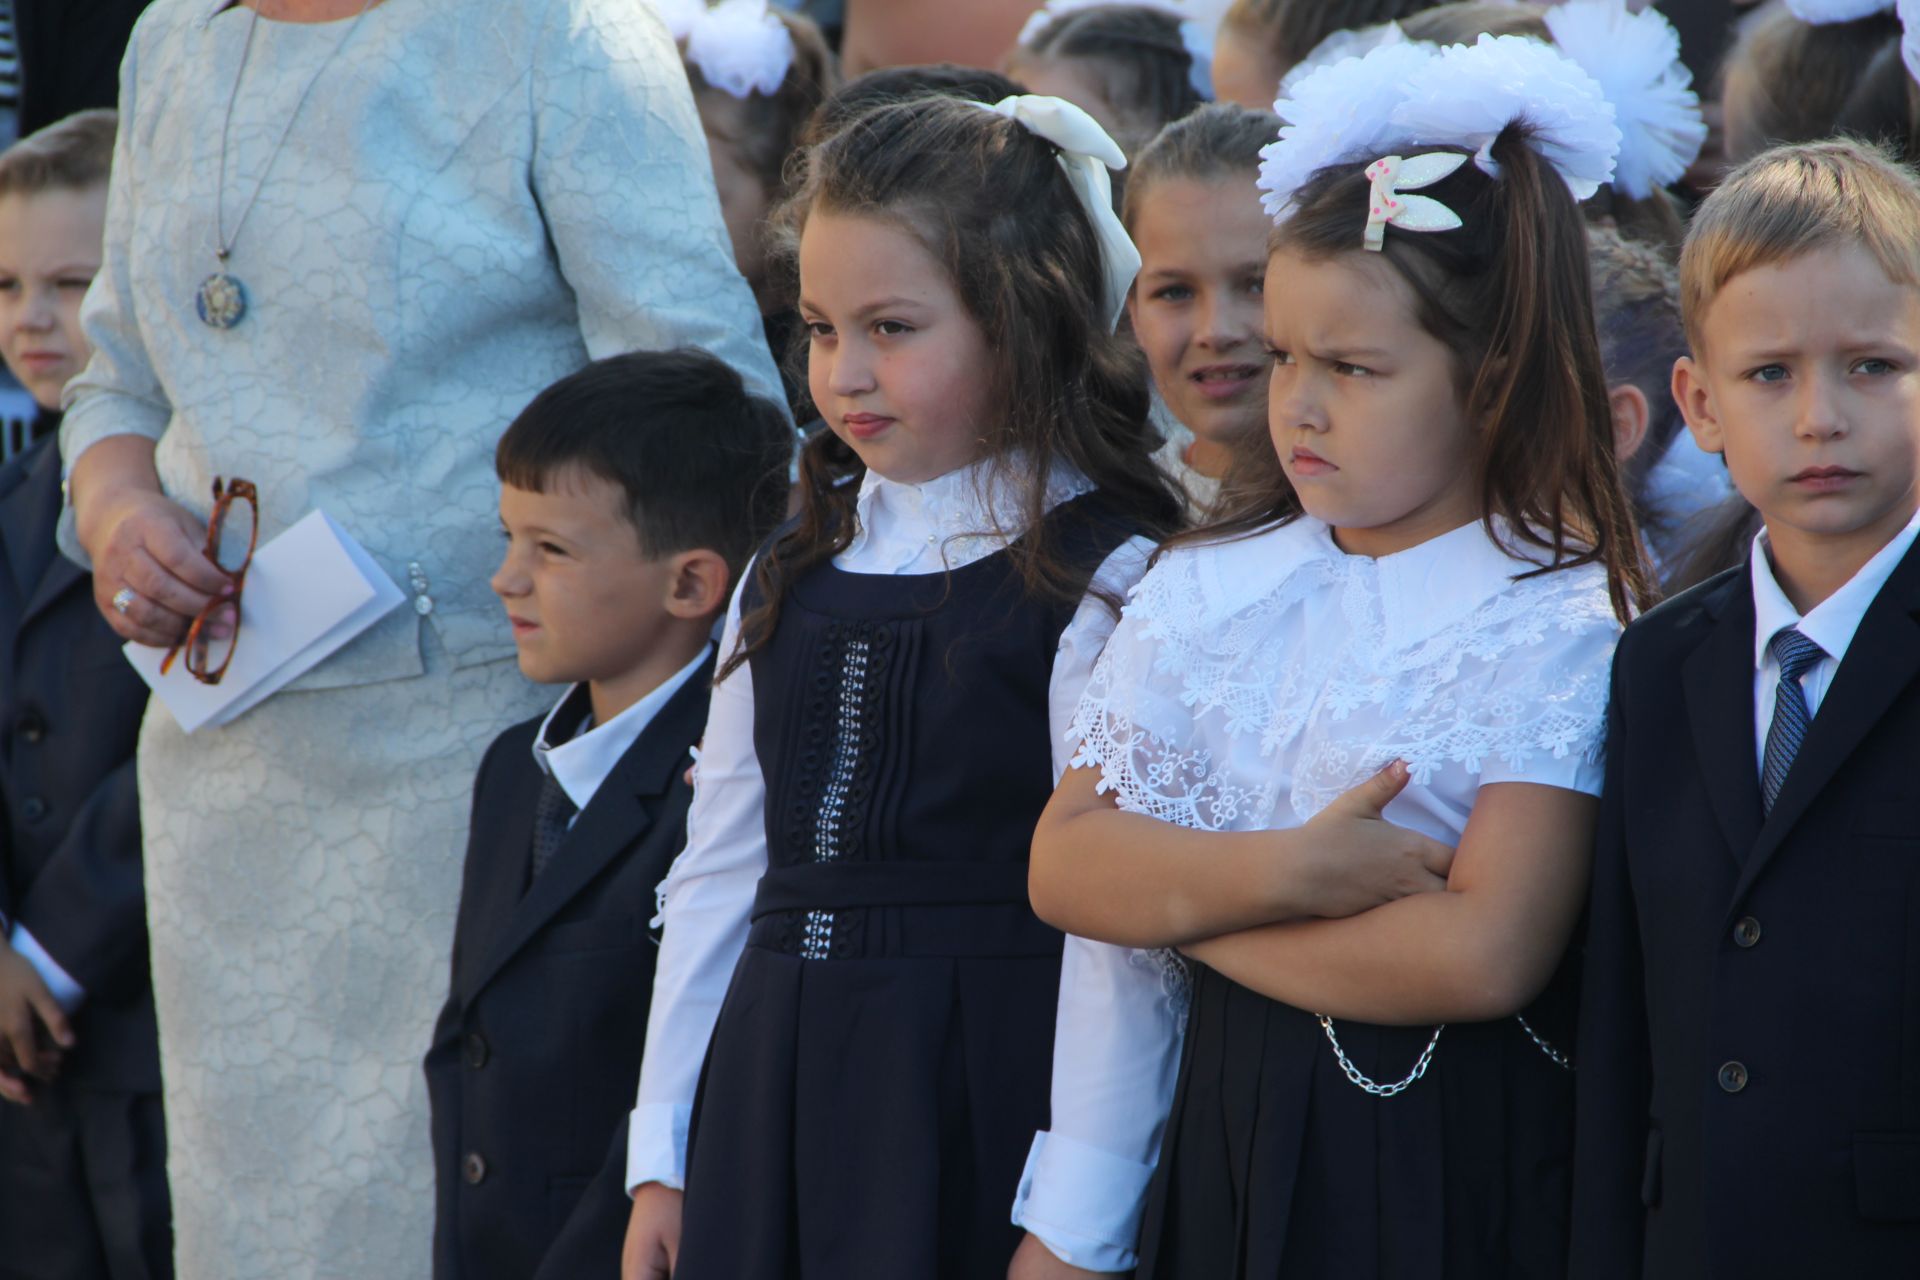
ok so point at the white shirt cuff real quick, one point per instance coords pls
(67, 993)
(657, 1145)
(1083, 1203)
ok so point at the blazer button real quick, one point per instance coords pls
(34, 809)
(474, 1169)
(1733, 1077)
(32, 727)
(476, 1050)
(1746, 932)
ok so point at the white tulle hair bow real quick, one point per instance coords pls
(1399, 98)
(1635, 59)
(740, 46)
(1822, 13)
(1086, 153)
(1196, 31)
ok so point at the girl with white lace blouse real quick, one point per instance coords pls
(1415, 614)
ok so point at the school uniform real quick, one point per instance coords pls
(1200, 1129)
(83, 1189)
(1749, 1092)
(537, 1049)
(850, 928)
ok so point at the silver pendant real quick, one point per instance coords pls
(221, 301)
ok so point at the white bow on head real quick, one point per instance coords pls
(1086, 153)
(1388, 202)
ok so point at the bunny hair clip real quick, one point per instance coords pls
(1196, 33)
(740, 46)
(1388, 202)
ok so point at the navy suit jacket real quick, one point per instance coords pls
(70, 710)
(1749, 1075)
(537, 1053)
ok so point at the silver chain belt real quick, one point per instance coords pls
(1361, 1080)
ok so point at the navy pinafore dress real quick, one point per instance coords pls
(881, 1061)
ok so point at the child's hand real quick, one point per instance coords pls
(1034, 1261)
(34, 1032)
(1358, 860)
(653, 1234)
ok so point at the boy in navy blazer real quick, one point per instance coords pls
(632, 492)
(83, 1180)
(1749, 1051)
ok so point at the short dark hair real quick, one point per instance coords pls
(702, 461)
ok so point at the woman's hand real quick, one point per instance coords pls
(1034, 1261)
(1355, 859)
(653, 1234)
(139, 538)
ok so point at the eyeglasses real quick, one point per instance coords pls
(215, 632)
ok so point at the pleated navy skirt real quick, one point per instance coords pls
(870, 1094)
(1276, 1167)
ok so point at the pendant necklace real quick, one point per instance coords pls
(221, 299)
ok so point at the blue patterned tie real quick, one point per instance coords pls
(1796, 655)
(552, 816)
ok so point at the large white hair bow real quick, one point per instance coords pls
(1086, 153)
(740, 46)
(1399, 98)
(1635, 58)
(1196, 31)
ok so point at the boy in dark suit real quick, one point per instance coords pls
(1749, 1075)
(632, 492)
(83, 1180)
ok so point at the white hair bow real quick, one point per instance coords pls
(1388, 202)
(740, 46)
(1086, 153)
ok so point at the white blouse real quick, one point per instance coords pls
(1248, 684)
(707, 897)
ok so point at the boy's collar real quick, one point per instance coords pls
(1831, 623)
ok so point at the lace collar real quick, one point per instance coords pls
(1421, 591)
(977, 503)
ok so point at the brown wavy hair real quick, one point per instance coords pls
(988, 199)
(1508, 294)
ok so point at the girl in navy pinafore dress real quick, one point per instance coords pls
(851, 1035)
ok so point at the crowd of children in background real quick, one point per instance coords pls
(1167, 801)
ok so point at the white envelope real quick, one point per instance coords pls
(309, 591)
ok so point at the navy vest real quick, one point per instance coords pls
(901, 723)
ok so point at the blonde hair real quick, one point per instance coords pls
(73, 154)
(1795, 200)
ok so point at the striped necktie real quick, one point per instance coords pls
(1796, 655)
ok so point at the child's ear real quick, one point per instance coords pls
(1630, 415)
(697, 584)
(1696, 405)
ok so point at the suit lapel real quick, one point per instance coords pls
(1881, 661)
(620, 813)
(1718, 681)
(508, 814)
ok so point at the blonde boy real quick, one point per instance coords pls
(1749, 1084)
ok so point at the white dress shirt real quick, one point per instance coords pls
(582, 762)
(1829, 624)
(1250, 683)
(707, 896)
